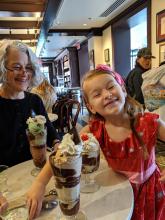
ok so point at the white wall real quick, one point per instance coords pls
(107, 44)
(156, 6)
(99, 44)
(95, 43)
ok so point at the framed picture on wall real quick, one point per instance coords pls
(161, 53)
(160, 26)
(106, 55)
(92, 59)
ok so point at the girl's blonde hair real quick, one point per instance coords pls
(5, 46)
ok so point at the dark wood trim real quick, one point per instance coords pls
(49, 16)
(70, 32)
(47, 59)
(77, 32)
(20, 24)
(18, 36)
(19, 7)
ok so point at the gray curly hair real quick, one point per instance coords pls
(5, 45)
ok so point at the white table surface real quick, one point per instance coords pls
(113, 201)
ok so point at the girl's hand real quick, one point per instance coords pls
(3, 203)
(162, 178)
(34, 199)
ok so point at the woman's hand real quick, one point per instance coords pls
(3, 203)
(162, 178)
(34, 199)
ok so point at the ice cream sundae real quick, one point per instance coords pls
(90, 154)
(90, 163)
(66, 163)
(37, 136)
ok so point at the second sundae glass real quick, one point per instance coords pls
(66, 164)
(90, 163)
(37, 136)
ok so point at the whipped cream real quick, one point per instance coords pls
(67, 149)
(36, 125)
(90, 143)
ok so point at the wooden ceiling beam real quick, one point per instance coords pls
(18, 36)
(22, 7)
(20, 24)
(24, 1)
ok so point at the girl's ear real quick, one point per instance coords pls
(90, 108)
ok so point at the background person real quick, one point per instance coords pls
(134, 79)
(153, 89)
(47, 93)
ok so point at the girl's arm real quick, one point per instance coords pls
(36, 193)
(3, 203)
(161, 130)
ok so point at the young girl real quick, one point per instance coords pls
(127, 138)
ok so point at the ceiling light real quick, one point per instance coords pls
(37, 14)
(84, 24)
(58, 22)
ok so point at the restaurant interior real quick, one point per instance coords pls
(71, 37)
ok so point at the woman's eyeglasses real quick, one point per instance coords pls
(18, 69)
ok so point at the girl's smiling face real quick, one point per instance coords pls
(104, 95)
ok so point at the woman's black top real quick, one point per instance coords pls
(14, 145)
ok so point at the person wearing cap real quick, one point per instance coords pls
(134, 79)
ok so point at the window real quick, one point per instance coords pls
(45, 71)
(138, 41)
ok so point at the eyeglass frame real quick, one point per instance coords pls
(20, 69)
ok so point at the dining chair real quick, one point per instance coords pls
(57, 110)
(69, 111)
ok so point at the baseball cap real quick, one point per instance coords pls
(145, 52)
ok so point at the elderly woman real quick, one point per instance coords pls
(19, 70)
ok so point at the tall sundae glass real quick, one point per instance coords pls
(37, 136)
(90, 163)
(66, 163)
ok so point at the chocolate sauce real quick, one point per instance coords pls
(70, 211)
(90, 161)
(39, 155)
